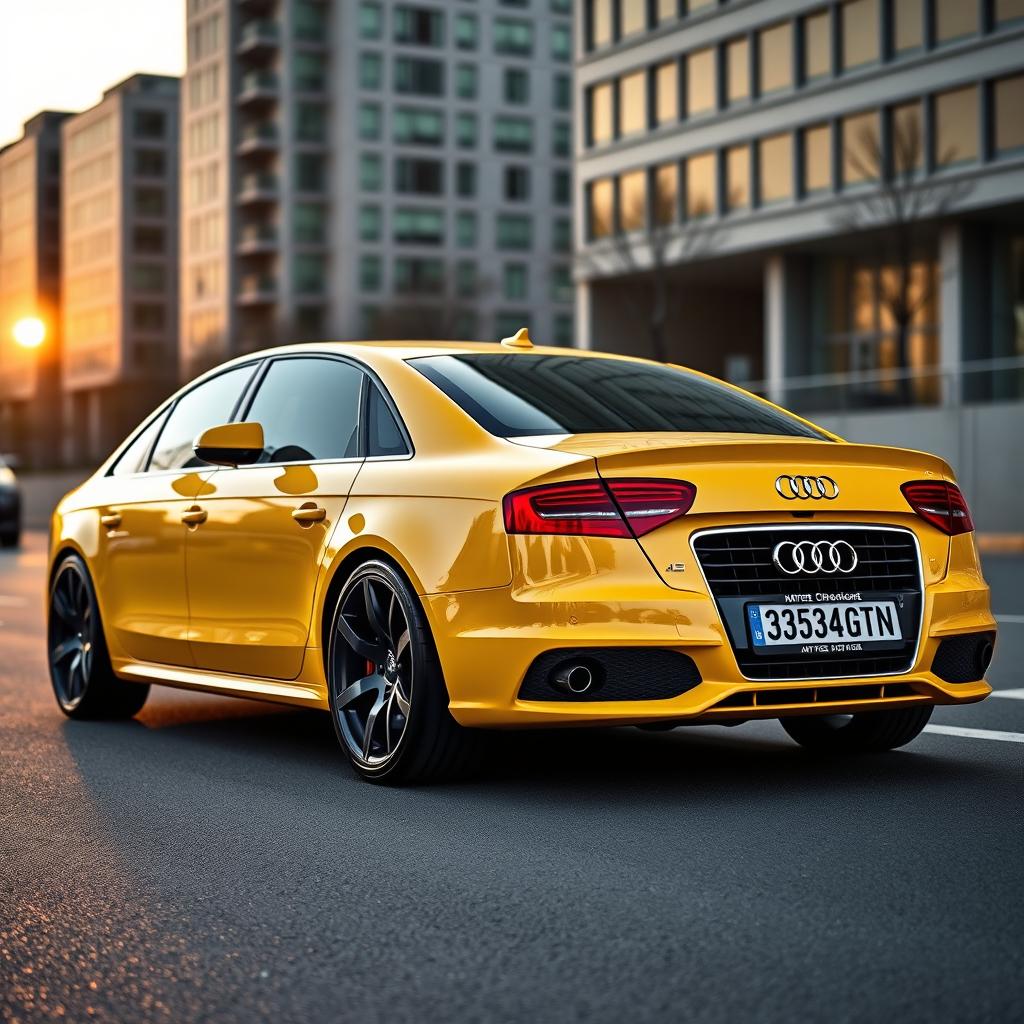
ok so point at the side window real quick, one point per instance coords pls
(309, 409)
(133, 458)
(384, 436)
(207, 405)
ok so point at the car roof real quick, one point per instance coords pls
(398, 351)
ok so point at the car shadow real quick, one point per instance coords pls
(295, 751)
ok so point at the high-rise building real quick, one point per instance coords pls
(120, 261)
(30, 290)
(826, 195)
(362, 168)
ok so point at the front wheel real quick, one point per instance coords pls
(858, 733)
(83, 680)
(388, 698)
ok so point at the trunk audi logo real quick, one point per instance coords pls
(810, 557)
(792, 487)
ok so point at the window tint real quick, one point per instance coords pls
(309, 409)
(384, 436)
(209, 404)
(133, 458)
(518, 396)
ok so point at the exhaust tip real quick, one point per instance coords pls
(572, 677)
(985, 651)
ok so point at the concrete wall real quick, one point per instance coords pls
(983, 444)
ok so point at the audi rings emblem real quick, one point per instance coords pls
(808, 557)
(792, 487)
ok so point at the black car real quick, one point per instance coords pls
(10, 507)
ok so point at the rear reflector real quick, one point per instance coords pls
(593, 508)
(940, 504)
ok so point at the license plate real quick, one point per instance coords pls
(776, 625)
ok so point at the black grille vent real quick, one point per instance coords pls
(740, 564)
(739, 569)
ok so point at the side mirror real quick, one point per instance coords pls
(231, 444)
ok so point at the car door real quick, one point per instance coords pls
(156, 480)
(252, 565)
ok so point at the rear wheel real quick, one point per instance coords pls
(389, 702)
(83, 680)
(10, 539)
(860, 732)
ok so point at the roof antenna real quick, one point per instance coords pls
(521, 339)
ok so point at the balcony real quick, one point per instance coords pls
(258, 87)
(257, 290)
(258, 38)
(258, 188)
(257, 240)
(257, 139)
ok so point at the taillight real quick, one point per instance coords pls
(940, 504)
(593, 508)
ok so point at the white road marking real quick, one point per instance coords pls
(1012, 694)
(976, 734)
(9, 601)
(1015, 620)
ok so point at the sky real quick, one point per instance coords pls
(62, 54)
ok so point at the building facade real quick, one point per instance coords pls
(825, 197)
(30, 289)
(360, 168)
(120, 262)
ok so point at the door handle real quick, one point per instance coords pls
(111, 521)
(194, 516)
(309, 514)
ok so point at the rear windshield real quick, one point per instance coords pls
(519, 395)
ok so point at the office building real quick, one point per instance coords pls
(30, 290)
(120, 262)
(828, 195)
(359, 168)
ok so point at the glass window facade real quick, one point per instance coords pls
(1008, 10)
(600, 23)
(666, 92)
(601, 126)
(632, 16)
(860, 141)
(737, 178)
(1008, 99)
(907, 138)
(955, 19)
(860, 33)
(633, 201)
(775, 58)
(737, 70)
(665, 204)
(907, 25)
(817, 56)
(633, 103)
(700, 82)
(701, 192)
(602, 208)
(817, 162)
(775, 164)
(956, 126)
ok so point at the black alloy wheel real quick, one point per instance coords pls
(389, 703)
(83, 680)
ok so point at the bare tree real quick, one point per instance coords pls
(901, 200)
(650, 239)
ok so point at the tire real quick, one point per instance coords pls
(83, 680)
(862, 732)
(10, 539)
(388, 699)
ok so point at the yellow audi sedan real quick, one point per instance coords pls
(434, 539)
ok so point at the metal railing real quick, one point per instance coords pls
(978, 381)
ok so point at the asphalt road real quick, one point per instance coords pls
(217, 860)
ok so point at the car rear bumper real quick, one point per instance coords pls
(489, 639)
